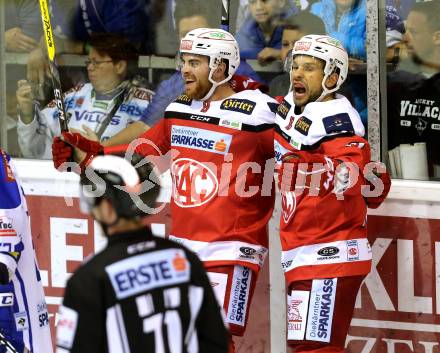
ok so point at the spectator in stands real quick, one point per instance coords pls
(260, 36)
(394, 35)
(23, 25)
(345, 20)
(109, 103)
(292, 7)
(295, 27)
(414, 97)
(74, 21)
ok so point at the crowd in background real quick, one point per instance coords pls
(265, 30)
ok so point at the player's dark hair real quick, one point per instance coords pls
(117, 47)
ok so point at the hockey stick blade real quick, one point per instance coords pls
(5, 342)
(50, 44)
(225, 14)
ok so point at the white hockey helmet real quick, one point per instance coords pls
(328, 49)
(216, 44)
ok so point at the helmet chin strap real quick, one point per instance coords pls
(325, 90)
(214, 83)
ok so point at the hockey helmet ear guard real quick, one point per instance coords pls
(329, 50)
(218, 45)
(132, 188)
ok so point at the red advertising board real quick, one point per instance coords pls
(398, 306)
(397, 309)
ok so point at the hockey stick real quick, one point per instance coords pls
(225, 14)
(50, 44)
(6, 343)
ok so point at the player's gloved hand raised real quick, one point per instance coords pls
(301, 170)
(378, 177)
(61, 152)
(76, 140)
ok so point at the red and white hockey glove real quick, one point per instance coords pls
(61, 152)
(301, 170)
(377, 179)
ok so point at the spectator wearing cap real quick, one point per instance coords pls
(394, 35)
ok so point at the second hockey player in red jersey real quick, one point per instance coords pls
(322, 154)
(222, 140)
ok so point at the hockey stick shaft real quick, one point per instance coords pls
(225, 14)
(56, 82)
(6, 343)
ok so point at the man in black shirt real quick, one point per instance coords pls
(414, 89)
(141, 293)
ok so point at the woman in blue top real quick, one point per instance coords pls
(345, 20)
(260, 35)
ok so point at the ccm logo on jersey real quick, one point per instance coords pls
(148, 271)
(321, 309)
(283, 109)
(6, 299)
(238, 105)
(239, 298)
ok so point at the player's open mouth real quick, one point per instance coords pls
(299, 90)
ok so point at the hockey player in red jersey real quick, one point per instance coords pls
(222, 140)
(322, 157)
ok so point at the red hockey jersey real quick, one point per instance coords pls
(325, 235)
(222, 198)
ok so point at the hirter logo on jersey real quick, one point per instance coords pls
(238, 105)
(194, 184)
(302, 125)
(283, 109)
(183, 99)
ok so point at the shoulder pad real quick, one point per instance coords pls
(273, 106)
(338, 123)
